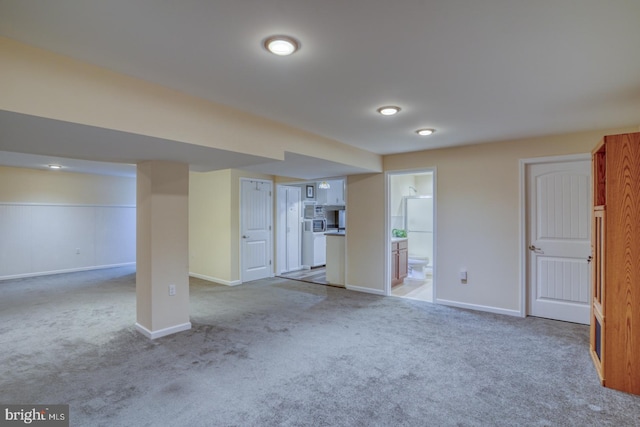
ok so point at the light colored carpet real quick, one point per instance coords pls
(280, 352)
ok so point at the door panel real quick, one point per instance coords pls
(293, 236)
(256, 209)
(558, 206)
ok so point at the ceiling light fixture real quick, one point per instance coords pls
(324, 185)
(55, 167)
(281, 45)
(425, 132)
(388, 110)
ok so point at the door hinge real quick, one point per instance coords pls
(269, 262)
(269, 228)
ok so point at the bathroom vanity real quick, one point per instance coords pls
(399, 260)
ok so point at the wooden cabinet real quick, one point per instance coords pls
(399, 261)
(615, 290)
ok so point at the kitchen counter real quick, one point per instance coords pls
(335, 257)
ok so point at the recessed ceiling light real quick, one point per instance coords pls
(425, 132)
(55, 167)
(281, 45)
(388, 110)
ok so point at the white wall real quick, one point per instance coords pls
(58, 222)
(44, 239)
(399, 188)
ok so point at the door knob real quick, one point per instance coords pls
(245, 236)
(533, 248)
(589, 258)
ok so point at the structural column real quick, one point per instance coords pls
(162, 273)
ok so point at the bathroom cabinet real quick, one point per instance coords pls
(615, 262)
(399, 261)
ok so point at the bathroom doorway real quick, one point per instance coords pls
(411, 230)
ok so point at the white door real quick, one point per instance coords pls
(289, 229)
(255, 227)
(559, 229)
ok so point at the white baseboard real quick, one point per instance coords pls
(478, 307)
(365, 290)
(162, 332)
(216, 280)
(67, 270)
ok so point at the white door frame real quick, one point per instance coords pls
(387, 224)
(524, 291)
(240, 227)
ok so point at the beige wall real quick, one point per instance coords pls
(44, 84)
(365, 239)
(210, 225)
(22, 185)
(477, 217)
(214, 224)
(236, 174)
(162, 248)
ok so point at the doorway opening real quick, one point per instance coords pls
(307, 212)
(411, 231)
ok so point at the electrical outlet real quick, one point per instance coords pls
(172, 290)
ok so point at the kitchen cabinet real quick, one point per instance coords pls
(314, 249)
(399, 261)
(615, 278)
(334, 195)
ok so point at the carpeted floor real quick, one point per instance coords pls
(281, 352)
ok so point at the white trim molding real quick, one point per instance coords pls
(162, 332)
(478, 307)
(216, 280)
(365, 290)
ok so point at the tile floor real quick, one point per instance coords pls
(315, 275)
(422, 291)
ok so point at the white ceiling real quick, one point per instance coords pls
(476, 71)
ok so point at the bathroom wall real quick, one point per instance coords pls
(424, 184)
(399, 187)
